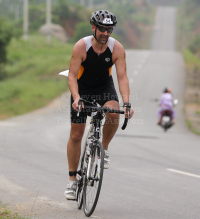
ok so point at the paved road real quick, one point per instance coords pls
(152, 175)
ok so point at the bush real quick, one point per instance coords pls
(62, 10)
(5, 36)
(194, 45)
(82, 29)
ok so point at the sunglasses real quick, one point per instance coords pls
(102, 29)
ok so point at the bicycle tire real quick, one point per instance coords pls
(83, 164)
(80, 194)
(89, 205)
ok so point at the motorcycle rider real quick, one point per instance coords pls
(166, 103)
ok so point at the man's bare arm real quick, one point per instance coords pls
(120, 63)
(78, 56)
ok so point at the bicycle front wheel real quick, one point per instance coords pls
(92, 184)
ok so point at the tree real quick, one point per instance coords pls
(194, 45)
(5, 36)
(82, 29)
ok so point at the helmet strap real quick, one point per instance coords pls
(94, 34)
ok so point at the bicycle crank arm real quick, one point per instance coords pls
(94, 179)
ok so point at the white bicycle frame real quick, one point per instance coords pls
(91, 129)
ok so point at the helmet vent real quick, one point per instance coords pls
(97, 16)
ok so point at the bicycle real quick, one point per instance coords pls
(91, 165)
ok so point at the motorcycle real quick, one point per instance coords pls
(166, 114)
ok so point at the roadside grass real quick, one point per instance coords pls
(192, 64)
(191, 61)
(32, 74)
(5, 213)
(191, 128)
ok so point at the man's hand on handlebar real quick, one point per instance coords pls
(128, 112)
(77, 105)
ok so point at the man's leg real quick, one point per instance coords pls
(111, 124)
(74, 147)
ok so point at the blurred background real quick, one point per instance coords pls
(37, 38)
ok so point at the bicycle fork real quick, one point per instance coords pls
(90, 165)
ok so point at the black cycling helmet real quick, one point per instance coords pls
(103, 18)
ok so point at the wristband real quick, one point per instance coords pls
(126, 104)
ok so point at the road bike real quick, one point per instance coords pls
(91, 165)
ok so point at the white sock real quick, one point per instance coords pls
(72, 181)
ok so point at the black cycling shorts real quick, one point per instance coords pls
(101, 94)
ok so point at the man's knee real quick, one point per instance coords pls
(112, 118)
(77, 131)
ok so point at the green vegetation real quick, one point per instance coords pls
(5, 213)
(189, 44)
(32, 79)
(189, 25)
(82, 29)
(192, 129)
(191, 60)
(29, 78)
(194, 45)
(135, 19)
(5, 37)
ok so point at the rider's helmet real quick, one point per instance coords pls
(103, 18)
(167, 90)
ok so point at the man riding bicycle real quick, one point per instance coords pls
(90, 77)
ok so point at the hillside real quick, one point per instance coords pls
(189, 44)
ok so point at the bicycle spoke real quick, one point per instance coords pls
(93, 184)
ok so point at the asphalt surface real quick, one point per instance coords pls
(153, 174)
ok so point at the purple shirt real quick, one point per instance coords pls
(166, 100)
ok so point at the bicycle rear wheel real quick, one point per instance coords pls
(92, 185)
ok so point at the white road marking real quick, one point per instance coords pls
(184, 173)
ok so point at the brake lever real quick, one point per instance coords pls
(79, 106)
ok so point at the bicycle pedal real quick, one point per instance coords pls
(90, 183)
(78, 177)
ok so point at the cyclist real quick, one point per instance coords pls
(166, 103)
(90, 77)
